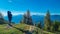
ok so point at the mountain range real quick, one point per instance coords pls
(35, 18)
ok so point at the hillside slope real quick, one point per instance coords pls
(19, 29)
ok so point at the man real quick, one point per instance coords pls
(9, 17)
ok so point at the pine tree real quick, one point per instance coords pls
(27, 18)
(47, 21)
(39, 25)
(24, 19)
(2, 21)
(1, 16)
(56, 25)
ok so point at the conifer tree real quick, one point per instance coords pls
(56, 25)
(27, 18)
(39, 25)
(2, 21)
(47, 21)
(1, 16)
(24, 19)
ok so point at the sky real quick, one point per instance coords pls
(36, 7)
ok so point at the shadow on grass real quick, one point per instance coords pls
(24, 31)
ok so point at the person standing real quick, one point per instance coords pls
(9, 18)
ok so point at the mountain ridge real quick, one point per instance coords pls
(35, 18)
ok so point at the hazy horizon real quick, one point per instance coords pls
(36, 7)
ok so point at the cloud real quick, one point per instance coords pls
(34, 13)
(3, 12)
(55, 13)
(20, 13)
(14, 13)
(17, 13)
(9, 1)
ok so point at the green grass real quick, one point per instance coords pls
(5, 30)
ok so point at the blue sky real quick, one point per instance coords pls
(35, 6)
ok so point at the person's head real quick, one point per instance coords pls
(9, 12)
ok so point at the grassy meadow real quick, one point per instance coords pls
(5, 30)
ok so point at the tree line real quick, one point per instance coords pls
(49, 25)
